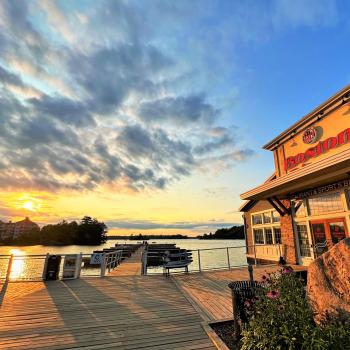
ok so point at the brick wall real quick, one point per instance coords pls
(288, 241)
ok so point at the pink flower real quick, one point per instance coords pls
(273, 294)
(287, 270)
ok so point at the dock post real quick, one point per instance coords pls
(250, 270)
(103, 265)
(9, 268)
(228, 259)
(235, 312)
(144, 262)
(199, 261)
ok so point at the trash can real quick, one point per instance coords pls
(241, 291)
(53, 267)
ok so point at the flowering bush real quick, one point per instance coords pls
(282, 319)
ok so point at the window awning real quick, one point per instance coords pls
(330, 169)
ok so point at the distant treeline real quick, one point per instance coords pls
(234, 232)
(88, 232)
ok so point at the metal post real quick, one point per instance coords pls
(79, 262)
(199, 261)
(144, 263)
(9, 268)
(228, 259)
(45, 266)
(255, 261)
(235, 311)
(103, 265)
(250, 270)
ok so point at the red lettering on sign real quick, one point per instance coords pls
(322, 147)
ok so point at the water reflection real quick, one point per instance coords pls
(17, 264)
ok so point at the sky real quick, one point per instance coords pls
(150, 115)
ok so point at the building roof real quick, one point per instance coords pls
(341, 97)
(333, 168)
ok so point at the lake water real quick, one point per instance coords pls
(210, 257)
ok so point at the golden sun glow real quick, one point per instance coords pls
(29, 206)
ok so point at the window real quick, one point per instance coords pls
(259, 236)
(268, 236)
(324, 204)
(276, 216)
(303, 237)
(267, 218)
(257, 219)
(277, 233)
(299, 208)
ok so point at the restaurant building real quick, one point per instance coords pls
(303, 209)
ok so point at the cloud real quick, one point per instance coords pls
(64, 109)
(179, 110)
(113, 111)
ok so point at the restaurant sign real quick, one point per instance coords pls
(322, 189)
(310, 135)
(322, 147)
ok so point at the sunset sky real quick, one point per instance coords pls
(150, 115)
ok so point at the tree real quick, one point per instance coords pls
(91, 232)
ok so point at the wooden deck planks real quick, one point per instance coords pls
(130, 266)
(209, 293)
(131, 312)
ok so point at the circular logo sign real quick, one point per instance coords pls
(310, 135)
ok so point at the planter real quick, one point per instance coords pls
(211, 328)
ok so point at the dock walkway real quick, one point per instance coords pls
(130, 266)
(208, 291)
(124, 313)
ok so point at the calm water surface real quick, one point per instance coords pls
(209, 259)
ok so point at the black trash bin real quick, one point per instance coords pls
(53, 267)
(241, 291)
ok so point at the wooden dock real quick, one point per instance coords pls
(208, 291)
(130, 266)
(123, 313)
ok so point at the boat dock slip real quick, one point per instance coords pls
(135, 312)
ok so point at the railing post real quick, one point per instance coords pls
(79, 262)
(45, 266)
(199, 261)
(103, 265)
(228, 258)
(255, 261)
(144, 262)
(9, 268)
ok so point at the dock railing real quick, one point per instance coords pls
(110, 261)
(220, 258)
(31, 267)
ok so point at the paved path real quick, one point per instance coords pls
(122, 313)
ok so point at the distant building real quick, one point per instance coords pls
(13, 230)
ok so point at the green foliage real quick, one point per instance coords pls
(283, 319)
(89, 232)
(234, 232)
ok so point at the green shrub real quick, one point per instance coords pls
(283, 319)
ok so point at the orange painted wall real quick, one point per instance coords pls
(329, 126)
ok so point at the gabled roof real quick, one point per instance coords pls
(247, 205)
(339, 98)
